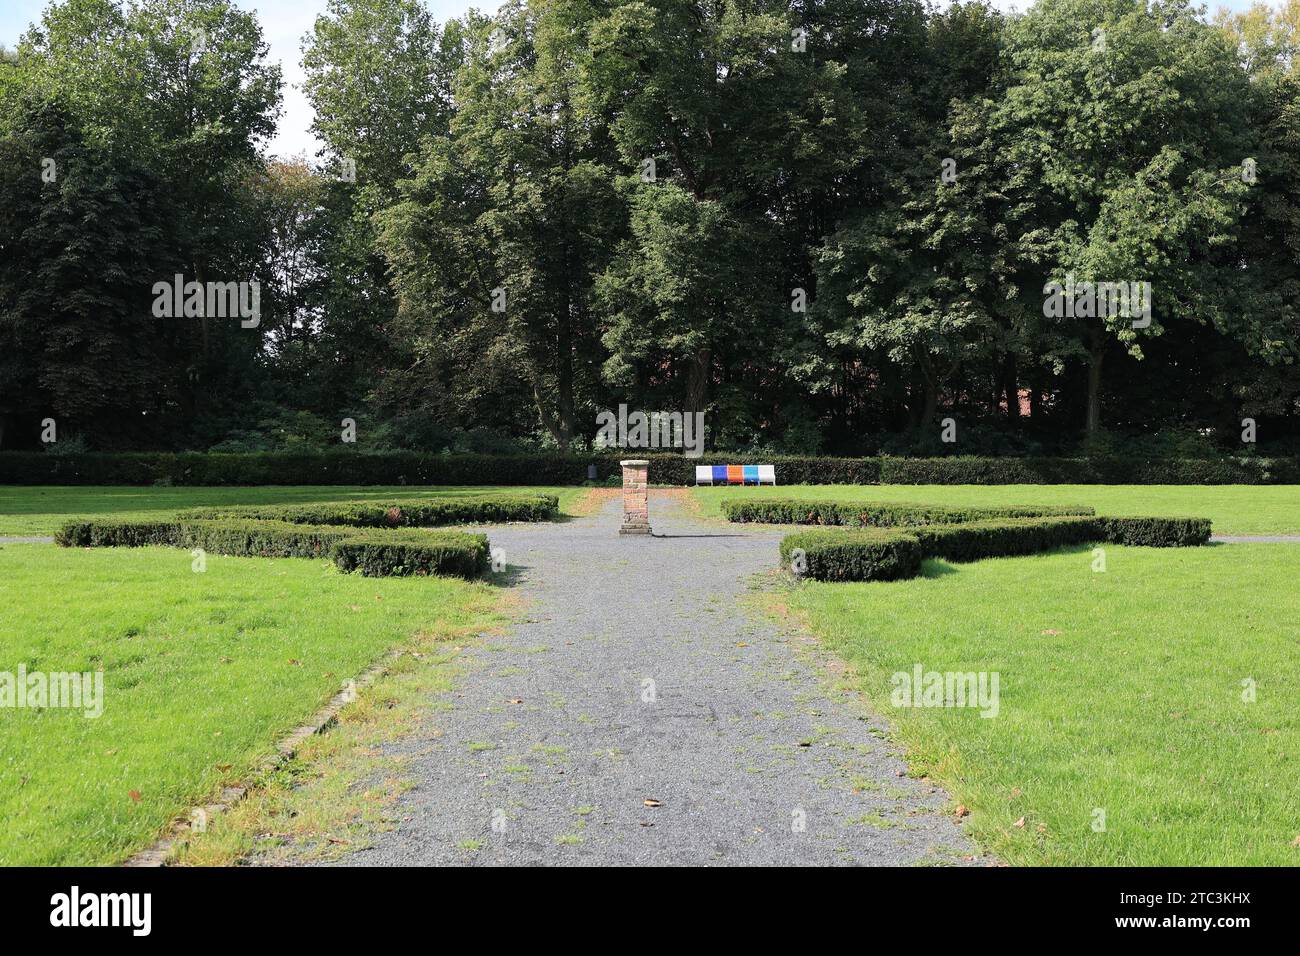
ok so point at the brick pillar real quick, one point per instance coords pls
(636, 502)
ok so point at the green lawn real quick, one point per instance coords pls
(1234, 509)
(1119, 691)
(34, 511)
(203, 672)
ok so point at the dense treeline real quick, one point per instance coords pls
(830, 225)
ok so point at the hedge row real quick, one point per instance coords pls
(970, 470)
(426, 513)
(876, 554)
(412, 468)
(869, 514)
(372, 552)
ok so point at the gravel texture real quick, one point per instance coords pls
(746, 753)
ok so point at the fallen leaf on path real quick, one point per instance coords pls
(650, 802)
(962, 811)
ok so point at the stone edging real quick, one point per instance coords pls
(321, 721)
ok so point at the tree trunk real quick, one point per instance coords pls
(564, 374)
(1011, 387)
(697, 380)
(1092, 421)
(925, 393)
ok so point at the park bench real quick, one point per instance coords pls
(735, 474)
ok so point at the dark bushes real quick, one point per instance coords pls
(414, 468)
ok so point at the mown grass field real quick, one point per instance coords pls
(1234, 509)
(1120, 691)
(204, 672)
(38, 511)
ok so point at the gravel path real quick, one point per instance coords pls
(26, 540)
(639, 676)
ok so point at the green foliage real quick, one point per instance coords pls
(878, 554)
(425, 513)
(861, 555)
(912, 177)
(867, 514)
(412, 468)
(1156, 532)
(368, 550)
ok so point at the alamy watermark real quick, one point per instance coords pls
(922, 688)
(213, 300)
(1089, 300)
(40, 690)
(651, 430)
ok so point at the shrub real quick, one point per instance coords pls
(875, 514)
(351, 467)
(861, 555)
(370, 551)
(892, 553)
(1156, 532)
(117, 533)
(422, 513)
(464, 555)
(1128, 470)
(1005, 538)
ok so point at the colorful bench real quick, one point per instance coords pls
(735, 474)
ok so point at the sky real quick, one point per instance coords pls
(284, 22)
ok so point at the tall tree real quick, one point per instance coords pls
(496, 243)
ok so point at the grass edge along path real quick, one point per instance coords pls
(1123, 698)
(203, 675)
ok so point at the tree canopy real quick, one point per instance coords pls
(829, 226)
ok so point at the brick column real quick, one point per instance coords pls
(636, 502)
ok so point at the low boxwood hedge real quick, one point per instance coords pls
(887, 554)
(370, 551)
(1157, 532)
(857, 555)
(378, 555)
(1004, 538)
(865, 514)
(419, 513)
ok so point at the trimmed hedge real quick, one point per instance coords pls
(1157, 532)
(424, 513)
(370, 551)
(860, 555)
(1005, 538)
(379, 555)
(891, 554)
(971, 470)
(867, 514)
(118, 533)
(412, 468)
(398, 468)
